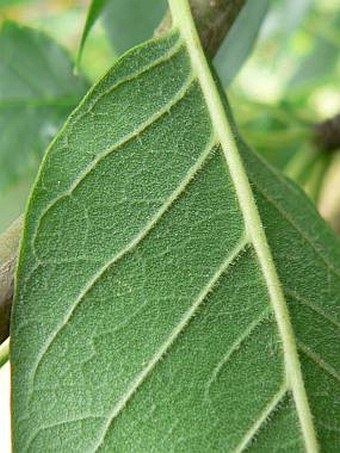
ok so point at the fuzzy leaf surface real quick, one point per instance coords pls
(145, 319)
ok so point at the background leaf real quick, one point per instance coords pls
(130, 22)
(95, 10)
(284, 18)
(37, 92)
(240, 40)
(6, 3)
(158, 329)
(275, 117)
(321, 62)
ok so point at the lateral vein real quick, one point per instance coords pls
(127, 249)
(188, 315)
(255, 428)
(285, 215)
(318, 361)
(235, 347)
(301, 300)
(126, 139)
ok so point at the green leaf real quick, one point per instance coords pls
(7, 3)
(241, 39)
(169, 298)
(13, 201)
(37, 93)
(284, 18)
(130, 22)
(320, 64)
(95, 10)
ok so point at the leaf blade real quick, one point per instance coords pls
(225, 354)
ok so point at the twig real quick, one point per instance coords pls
(213, 19)
(9, 243)
(4, 352)
(327, 134)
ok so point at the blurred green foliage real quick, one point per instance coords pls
(37, 93)
(289, 83)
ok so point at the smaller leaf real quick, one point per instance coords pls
(240, 40)
(95, 10)
(318, 65)
(37, 92)
(130, 22)
(284, 18)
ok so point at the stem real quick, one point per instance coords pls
(213, 20)
(9, 243)
(4, 352)
(327, 134)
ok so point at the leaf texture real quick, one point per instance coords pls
(146, 318)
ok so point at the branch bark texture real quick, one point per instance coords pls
(9, 244)
(327, 134)
(213, 19)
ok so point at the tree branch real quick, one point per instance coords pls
(213, 19)
(327, 134)
(9, 243)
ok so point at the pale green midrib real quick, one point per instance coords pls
(141, 377)
(296, 227)
(182, 18)
(117, 257)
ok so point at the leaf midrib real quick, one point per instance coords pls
(183, 20)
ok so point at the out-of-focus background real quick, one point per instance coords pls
(289, 83)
